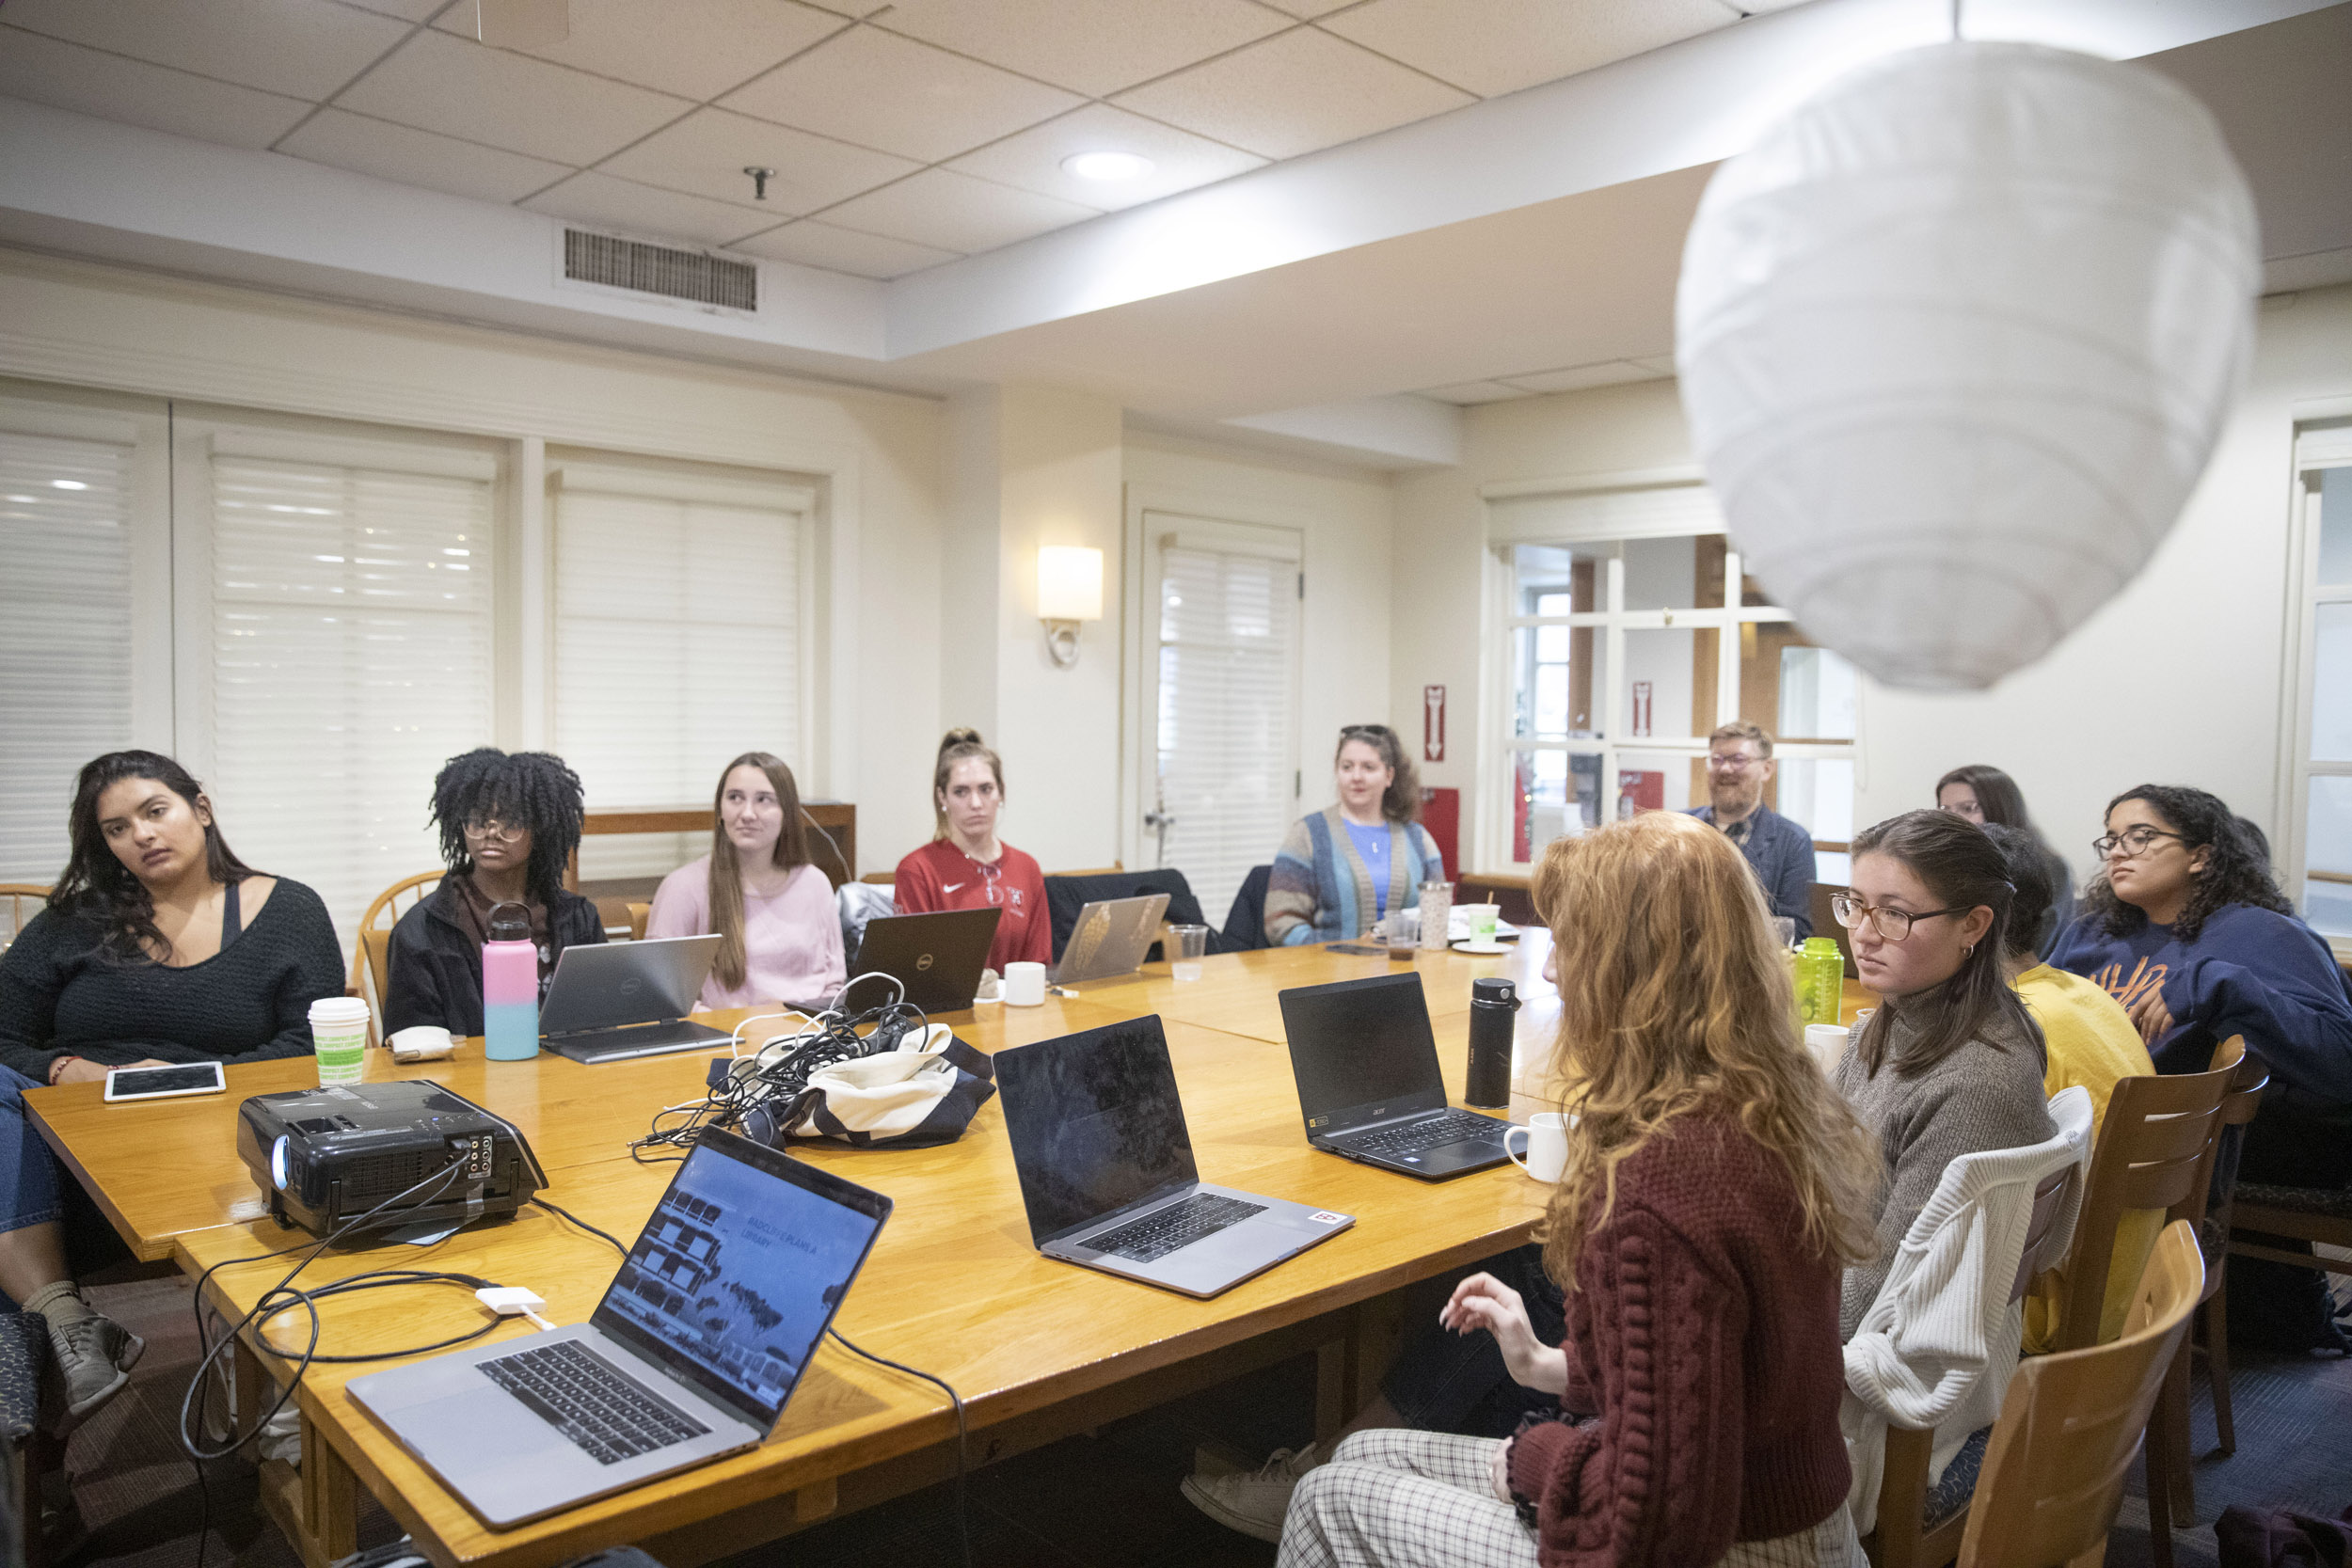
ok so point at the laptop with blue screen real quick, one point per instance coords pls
(697, 1344)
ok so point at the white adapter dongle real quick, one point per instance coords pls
(513, 1301)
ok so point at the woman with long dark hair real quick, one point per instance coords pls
(2185, 928)
(778, 938)
(159, 945)
(1951, 1062)
(1350, 864)
(1986, 795)
(508, 827)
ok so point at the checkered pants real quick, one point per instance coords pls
(1391, 1499)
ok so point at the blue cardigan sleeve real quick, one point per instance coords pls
(2269, 978)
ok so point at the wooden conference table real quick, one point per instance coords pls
(1037, 1349)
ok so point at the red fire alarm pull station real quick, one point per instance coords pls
(1433, 723)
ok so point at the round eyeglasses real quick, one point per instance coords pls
(2135, 842)
(1891, 924)
(493, 826)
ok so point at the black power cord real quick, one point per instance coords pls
(964, 1528)
(583, 1225)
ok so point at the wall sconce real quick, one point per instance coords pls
(1068, 591)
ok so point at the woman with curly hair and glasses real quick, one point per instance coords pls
(1349, 864)
(2185, 928)
(508, 825)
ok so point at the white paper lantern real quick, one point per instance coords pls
(1956, 339)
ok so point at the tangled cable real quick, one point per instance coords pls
(775, 1076)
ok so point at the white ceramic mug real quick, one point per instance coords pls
(1025, 985)
(1825, 1043)
(1547, 1145)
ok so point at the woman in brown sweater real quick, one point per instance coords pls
(1714, 1190)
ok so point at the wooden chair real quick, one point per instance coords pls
(2237, 1110)
(17, 894)
(1111, 870)
(1921, 1526)
(2153, 1151)
(2054, 1470)
(638, 915)
(370, 955)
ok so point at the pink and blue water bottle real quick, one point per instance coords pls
(510, 987)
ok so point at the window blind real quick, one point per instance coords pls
(65, 635)
(1228, 641)
(678, 645)
(351, 658)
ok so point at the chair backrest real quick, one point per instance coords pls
(1825, 922)
(18, 894)
(1067, 893)
(2071, 1423)
(639, 915)
(2044, 1250)
(2150, 1154)
(369, 964)
(1244, 923)
(2247, 1082)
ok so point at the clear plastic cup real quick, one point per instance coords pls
(338, 1036)
(1189, 945)
(1482, 922)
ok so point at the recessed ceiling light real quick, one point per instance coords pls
(1106, 166)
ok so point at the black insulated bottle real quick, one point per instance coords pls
(1487, 1084)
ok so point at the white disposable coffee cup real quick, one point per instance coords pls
(1825, 1043)
(339, 1037)
(1025, 985)
(1546, 1134)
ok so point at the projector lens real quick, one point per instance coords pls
(277, 1163)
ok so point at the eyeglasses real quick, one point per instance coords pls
(1739, 764)
(2136, 842)
(492, 826)
(1891, 924)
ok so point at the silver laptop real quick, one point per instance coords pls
(1098, 1138)
(1110, 937)
(699, 1341)
(609, 1001)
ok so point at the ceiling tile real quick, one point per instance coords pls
(1309, 9)
(438, 83)
(302, 48)
(955, 211)
(1292, 94)
(1497, 46)
(414, 157)
(707, 152)
(879, 90)
(1095, 47)
(1474, 391)
(822, 244)
(66, 76)
(1179, 160)
(695, 48)
(1576, 378)
(851, 8)
(608, 203)
(407, 11)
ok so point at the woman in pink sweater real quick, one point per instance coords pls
(779, 939)
(1715, 1188)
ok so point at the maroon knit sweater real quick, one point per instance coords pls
(1703, 1332)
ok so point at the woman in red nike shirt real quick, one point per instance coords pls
(967, 866)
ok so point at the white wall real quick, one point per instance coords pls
(877, 455)
(2179, 679)
(1344, 515)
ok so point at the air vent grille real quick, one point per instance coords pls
(654, 269)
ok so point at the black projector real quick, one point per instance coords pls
(327, 1156)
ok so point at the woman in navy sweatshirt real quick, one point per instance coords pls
(2187, 929)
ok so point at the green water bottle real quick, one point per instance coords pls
(1821, 981)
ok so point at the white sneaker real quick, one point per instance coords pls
(1253, 1502)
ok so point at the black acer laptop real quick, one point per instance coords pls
(1368, 1081)
(938, 957)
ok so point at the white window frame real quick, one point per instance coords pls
(1670, 504)
(2320, 445)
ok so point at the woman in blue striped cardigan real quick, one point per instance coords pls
(1346, 867)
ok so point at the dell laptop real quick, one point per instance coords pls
(699, 1341)
(938, 957)
(1110, 939)
(609, 1001)
(1368, 1084)
(1106, 1173)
